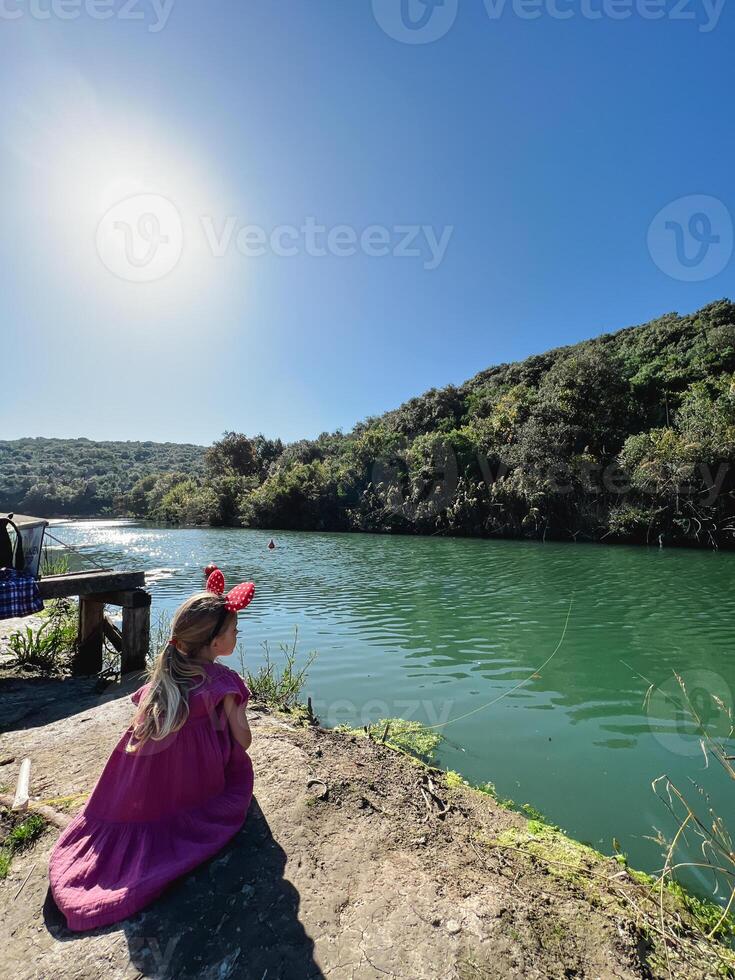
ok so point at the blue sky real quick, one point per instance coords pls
(541, 148)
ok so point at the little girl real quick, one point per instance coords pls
(178, 785)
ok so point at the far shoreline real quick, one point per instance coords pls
(679, 545)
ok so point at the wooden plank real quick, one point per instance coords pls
(87, 583)
(136, 637)
(112, 633)
(89, 657)
(132, 599)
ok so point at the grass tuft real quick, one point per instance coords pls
(48, 649)
(22, 836)
(278, 687)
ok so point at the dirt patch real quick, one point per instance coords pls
(344, 869)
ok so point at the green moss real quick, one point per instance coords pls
(642, 877)
(410, 737)
(566, 858)
(488, 789)
(579, 863)
(705, 914)
(532, 813)
(4, 862)
(453, 780)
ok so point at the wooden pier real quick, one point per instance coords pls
(96, 590)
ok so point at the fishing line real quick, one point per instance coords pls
(519, 684)
(72, 548)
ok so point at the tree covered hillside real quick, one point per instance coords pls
(78, 477)
(629, 437)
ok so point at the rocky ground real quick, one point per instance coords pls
(347, 867)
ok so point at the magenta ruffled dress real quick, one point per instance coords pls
(155, 813)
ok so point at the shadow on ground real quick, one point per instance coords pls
(236, 916)
(32, 701)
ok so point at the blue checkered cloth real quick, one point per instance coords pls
(19, 594)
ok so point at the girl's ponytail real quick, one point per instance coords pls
(165, 707)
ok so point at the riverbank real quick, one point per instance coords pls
(558, 536)
(354, 862)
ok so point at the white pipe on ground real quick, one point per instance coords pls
(22, 789)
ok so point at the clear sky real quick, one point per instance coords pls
(187, 186)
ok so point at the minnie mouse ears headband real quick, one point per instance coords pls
(237, 598)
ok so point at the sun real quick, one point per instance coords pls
(119, 202)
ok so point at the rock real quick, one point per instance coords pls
(453, 927)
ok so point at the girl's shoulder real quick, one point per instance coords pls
(219, 682)
(137, 696)
(223, 680)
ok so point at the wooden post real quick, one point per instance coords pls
(89, 657)
(94, 590)
(136, 636)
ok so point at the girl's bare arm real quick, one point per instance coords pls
(238, 721)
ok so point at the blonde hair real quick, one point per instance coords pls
(176, 672)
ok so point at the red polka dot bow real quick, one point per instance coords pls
(236, 598)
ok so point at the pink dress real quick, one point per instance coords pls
(155, 813)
